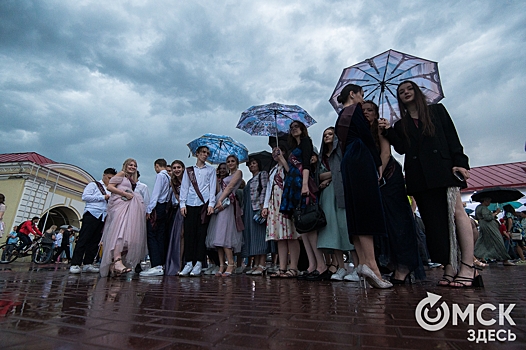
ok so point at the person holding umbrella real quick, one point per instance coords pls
(435, 169)
(296, 190)
(490, 244)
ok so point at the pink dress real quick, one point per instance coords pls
(125, 228)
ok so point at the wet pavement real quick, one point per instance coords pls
(45, 307)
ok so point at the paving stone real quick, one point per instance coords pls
(45, 307)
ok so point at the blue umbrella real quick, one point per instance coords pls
(272, 119)
(494, 206)
(220, 146)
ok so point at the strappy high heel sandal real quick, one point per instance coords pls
(114, 272)
(229, 273)
(219, 272)
(476, 281)
(446, 280)
(261, 270)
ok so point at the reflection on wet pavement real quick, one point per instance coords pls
(46, 307)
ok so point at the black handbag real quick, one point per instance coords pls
(309, 218)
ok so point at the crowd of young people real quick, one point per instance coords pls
(201, 218)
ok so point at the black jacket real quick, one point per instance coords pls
(429, 160)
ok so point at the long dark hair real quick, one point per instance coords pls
(304, 133)
(174, 181)
(424, 117)
(374, 125)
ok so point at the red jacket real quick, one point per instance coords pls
(28, 227)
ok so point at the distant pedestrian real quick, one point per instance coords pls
(2, 211)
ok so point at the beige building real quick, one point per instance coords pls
(34, 185)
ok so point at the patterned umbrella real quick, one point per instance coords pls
(272, 119)
(380, 75)
(221, 146)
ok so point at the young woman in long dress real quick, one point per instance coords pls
(225, 231)
(280, 228)
(124, 237)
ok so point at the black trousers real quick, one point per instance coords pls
(194, 235)
(63, 248)
(87, 245)
(26, 241)
(155, 237)
(432, 205)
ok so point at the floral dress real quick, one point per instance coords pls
(279, 227)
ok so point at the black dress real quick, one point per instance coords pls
(359, 167)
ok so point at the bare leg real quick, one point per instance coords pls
(294, 250)
(310, 253)
(230, 259)
(465, 242)
(221, 254)
(338, 258)
(355, 259)
(283, 254)
(365, 249)
(320, 261)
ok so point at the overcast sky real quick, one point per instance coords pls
(92, 83)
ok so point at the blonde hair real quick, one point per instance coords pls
(52, 228)
(125, 164)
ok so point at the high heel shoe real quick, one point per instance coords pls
(261, 270)
(114, 272)
(372, 279)
(476, 281)
(395, 281)
(228, 273)
(219, 272)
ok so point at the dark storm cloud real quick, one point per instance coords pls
(94, 82)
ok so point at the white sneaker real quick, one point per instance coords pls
(239, 270)
(89, 268)
(214, 270)
(209, 269)
(338, 275)
(74, 269)
(186, 270)
(154, 271)
(352, 277)
(196, 271)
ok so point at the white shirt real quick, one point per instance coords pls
(206, 181)
(270, 184)
(161, 190)
(96, 204)
(142, 189)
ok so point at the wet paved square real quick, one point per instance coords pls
(45, 307)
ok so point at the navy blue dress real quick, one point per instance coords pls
(359, 167)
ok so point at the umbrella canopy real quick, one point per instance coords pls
(267, 162)
(65, 227)
(498, 194)
(220, 146)
(380, 75)
(494, 206)
(272, 119)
